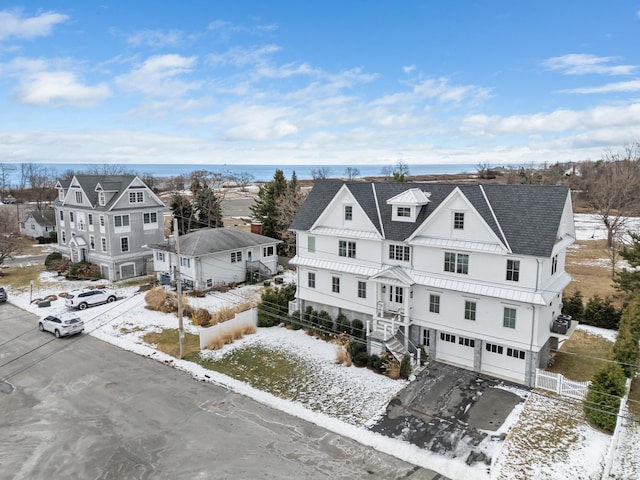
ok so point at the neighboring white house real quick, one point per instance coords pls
(39, 223)
(213, 256)
(472, 273)
(107, 220)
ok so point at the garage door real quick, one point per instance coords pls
(504, 362)
(128, 271)
(455, 349)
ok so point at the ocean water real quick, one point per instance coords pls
(261, 173)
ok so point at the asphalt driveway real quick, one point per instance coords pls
(449, 411)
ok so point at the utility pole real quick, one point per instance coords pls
(179, 287)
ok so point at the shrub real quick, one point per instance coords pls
(376, 363)
(343, 325)
(52, 257)
(423, 356)
(573, 305)
(84, 271)
(202, 317)
(405, 367)
(601, 313)
(295, 320)
(358, 352)
(625, 349)
(274, 305)
(61, 265)
(325, 322)
(603, 397)
(392, 368)
(155, 298)
(357, 329)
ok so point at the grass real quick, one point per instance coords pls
(277, 372)
(167, 341)
(591, 271)
(20, 277)
(579, 357)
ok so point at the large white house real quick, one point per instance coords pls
(107, 220)
(472, 273)
(213, 256)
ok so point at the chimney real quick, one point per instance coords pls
(256, 227)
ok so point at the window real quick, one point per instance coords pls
(347, 249)
(103, 242)
(151, 217)
(469, 310)
(403, 211)
(81, 225)
(509, 319)
(102, 220)
(61, 195)
(71, 217)
(396, 294)
(124, 244)
(136, 197)
(399, 252)
(101, 199)
(90, 219)
(121, 220)
(267, 251)
(512, 352)
(467, 342)
(160, 256)
(447, 337)
(311, 244)
(185, 262)
(335, 284)
(456, 262)
(311, 279)
(348, 212)
(458, 221)
(64, 236)
(362, 289)
(554, 263)
(490, 347)
(209, 282)
(78, 197)
(61, 215)
(513, 270)
(236, 257)
(434, 303)
(426, 337)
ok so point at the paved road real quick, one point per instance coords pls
(82, 408)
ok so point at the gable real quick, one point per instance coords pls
(134, 195)
(457, 219)
(344, 212)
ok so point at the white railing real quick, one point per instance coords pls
(558, 383)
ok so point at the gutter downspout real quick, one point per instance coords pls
(533, 318)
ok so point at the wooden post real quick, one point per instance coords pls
(179, 288)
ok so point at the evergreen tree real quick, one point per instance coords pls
(182, 210)
(629, 280)
(207, 208)
(603, 397)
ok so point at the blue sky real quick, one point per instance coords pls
(318, 82)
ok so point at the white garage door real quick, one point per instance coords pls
(455, 349)
(504, 362)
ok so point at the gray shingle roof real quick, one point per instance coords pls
(109, 183)
(526, 217)
(214, 240)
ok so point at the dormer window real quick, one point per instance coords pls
(61, 195)
(101, 199)
(406, 206)
(404, 212)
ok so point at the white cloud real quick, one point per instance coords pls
(157, 38)
(13, 24)
(157, 76)
(438, 89)
(557, 121)
(408, 68)
(255, 122)
(583, 64)
(242, 56)
(60, 88)
(630, 86)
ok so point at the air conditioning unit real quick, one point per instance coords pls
(560, 326)
(567, 318)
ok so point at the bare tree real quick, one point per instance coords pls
(242, 179)
(5, 175)
(108, 169)
(400, 171)
(352, 173)
(387, 171)
(320, 173)
(10, 247)
(612, 189)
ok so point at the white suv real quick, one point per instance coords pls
(87, 297)
(61, 324)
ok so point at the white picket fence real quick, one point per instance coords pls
(556, 382)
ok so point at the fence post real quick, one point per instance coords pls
(559, 384)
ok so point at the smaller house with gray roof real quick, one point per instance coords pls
(470, 274)
(215, 256)
(39, 223)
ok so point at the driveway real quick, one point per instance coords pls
(450, 411)
(80, 408)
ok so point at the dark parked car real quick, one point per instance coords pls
(3, 295)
